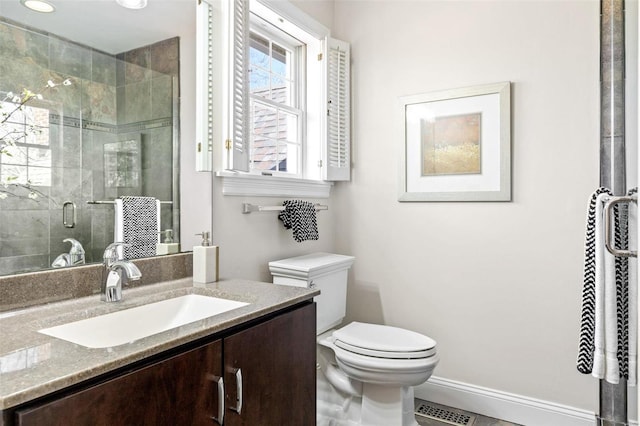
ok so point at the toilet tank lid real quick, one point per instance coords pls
(383, 338)
(313, 263)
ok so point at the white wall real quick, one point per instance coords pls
(498, 285)
(321, 10)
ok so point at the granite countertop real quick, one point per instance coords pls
(34, 364)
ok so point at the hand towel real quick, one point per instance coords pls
(621, 237)
(137, 222)
(633, 293)
(587, 323)
(605, 357)
(301, 217)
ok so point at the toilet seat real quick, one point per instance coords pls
(383, 341)
(386, 371)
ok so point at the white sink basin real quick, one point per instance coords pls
(125, 326)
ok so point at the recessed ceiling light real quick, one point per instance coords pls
(132, 4)
(38, 5)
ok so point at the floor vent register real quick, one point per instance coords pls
(443, 415)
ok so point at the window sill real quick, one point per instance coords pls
(242, 184)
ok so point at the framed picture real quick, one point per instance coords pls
(457, 145)
(122, 163)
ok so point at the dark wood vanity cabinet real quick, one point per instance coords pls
(277, 362)
(269, 380)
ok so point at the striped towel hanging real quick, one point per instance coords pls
(301, 217)
(137, 223)
(585, 359)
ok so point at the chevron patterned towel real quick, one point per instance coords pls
(587, 323)
(301, 217)
(593, 300)
(633, 293)
(138, 224)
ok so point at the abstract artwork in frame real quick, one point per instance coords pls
(457, 145)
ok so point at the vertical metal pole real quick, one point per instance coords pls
(613, 398)
(612, 99)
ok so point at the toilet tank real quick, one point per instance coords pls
(325, 271)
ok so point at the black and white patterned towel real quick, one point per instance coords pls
(586, 347)
(137, 224)
(301, 217)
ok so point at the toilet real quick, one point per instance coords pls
(366, 371)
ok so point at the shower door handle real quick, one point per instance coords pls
(609, 225)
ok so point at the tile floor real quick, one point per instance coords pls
(477, 419)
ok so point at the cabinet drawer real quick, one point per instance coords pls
(177, 391)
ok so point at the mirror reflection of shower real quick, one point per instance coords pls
(112, 132)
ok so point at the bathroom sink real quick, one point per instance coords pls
(125, 326)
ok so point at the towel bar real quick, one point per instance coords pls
(608, 235)
(112, 202)
(248, 208)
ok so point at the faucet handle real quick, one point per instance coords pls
(111, 253)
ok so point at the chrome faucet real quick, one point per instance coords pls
(118, 272)
(76, 254)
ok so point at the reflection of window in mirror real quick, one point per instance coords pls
(28, 161)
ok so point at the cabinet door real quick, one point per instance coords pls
(178, 391)
(277, 363)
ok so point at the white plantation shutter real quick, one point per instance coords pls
(238, 134)
(338, 144)
(204, 78)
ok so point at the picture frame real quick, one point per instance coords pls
(456, 145)
(123, 163)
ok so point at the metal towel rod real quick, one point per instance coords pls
(113, 202)
(608, 235)
(248, 208)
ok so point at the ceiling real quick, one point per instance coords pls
(104, 25)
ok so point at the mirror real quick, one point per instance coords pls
(105, 126)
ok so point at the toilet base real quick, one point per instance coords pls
(385, 405)
(379, 406)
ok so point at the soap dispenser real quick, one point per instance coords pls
(167, 246)
(205, 261)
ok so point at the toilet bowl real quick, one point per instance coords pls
(382, 364)
(367, 371)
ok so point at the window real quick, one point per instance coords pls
(276, 111)
(266, 92)
(27, 160)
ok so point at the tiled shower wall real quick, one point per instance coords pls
(109, 101)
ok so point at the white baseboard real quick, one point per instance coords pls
(502, 405)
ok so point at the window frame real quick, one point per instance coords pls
(273, 34)
(25, 146)
(219, 24)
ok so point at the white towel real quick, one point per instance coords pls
(633, 295)
(605, 360)
(137, 222)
